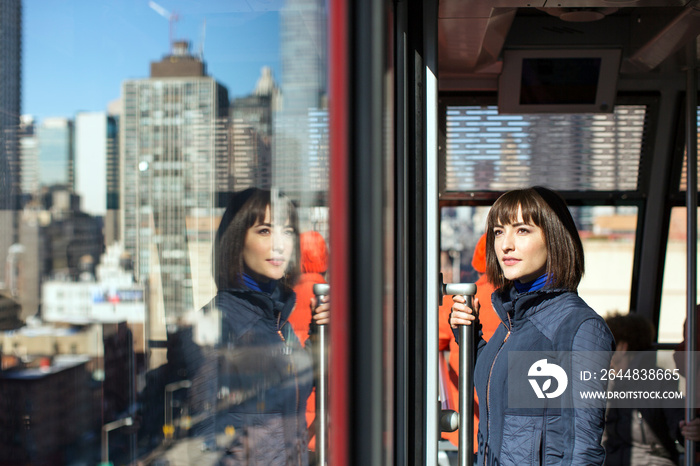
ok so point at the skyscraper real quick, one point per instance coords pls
(171, 123)
(29, 157)
(95, 134)
(303, 88)
(56, 152)
(10, 99)
(251, 135)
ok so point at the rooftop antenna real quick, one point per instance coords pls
(201, 43)
(171, 17)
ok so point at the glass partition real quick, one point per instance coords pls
(131, 329)
(607, 233)
(674, 294)
(487, 151)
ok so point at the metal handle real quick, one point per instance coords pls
(321, 290)
(466, 392)
(466, 376)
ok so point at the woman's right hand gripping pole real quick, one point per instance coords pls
(461, 313)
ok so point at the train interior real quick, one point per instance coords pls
(514, 111)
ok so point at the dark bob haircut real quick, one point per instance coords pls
(244, 210)
(545, 209)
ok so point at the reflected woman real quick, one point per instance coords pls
(267, 371)
(534, 258)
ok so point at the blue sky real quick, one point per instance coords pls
(76, 53)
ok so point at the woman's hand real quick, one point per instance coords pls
(462, 314)
(691, 430)
(321, 313)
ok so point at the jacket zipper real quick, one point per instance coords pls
(279, 328)
(488, 383)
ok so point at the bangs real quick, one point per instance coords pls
(283, 208)
(280, 208)
(255, 210)
(547, 210)
(505, 212)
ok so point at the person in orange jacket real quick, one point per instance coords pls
(489, 321)
(314, 263)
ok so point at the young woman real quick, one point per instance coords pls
(534, 258)
(267, 371)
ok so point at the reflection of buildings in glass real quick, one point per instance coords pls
(55, 238)
(113, 356)
(251, 135)
(68, 234)
(170, 144)
(10, 95)
(94, 137)
(303, 89)
(96, 167)
(56, 152)
(29, 157)
(112, 216)
(109, 296)
(10, 311)
(45, 408)
(113, 302)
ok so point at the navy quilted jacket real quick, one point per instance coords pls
(269, 375)
(544, 320)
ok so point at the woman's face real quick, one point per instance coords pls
(267, 249)
(521, 250)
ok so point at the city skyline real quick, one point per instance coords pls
(65, 72)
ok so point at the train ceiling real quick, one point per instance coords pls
(472, 34)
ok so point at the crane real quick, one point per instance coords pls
(171, 17)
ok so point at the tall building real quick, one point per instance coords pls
(10, 108)
(171, 144)
(29, 157)
(46, 409)
(251, 135)
(303, 90)
(113, 177)
(56, 152)
(95, 135)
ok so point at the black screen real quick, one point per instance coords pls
(559, 80)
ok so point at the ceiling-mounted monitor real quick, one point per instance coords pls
(558, 81)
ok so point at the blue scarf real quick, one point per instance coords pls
(534, 285)
(250, 283)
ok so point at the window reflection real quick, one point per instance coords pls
(109, 211)
(607, 233)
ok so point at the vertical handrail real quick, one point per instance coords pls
(466, 394)
(466, 377)
(692, 227)
(321, 290)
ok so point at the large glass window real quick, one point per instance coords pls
(115, 341)
(673, 293)
(607, 233)
(486, 151)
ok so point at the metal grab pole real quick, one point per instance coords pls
(691, 200)
(466, 377)
(106, 429)
(321, 290)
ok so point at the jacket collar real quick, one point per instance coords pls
(278, 303)
(514, 306)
